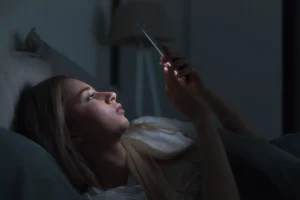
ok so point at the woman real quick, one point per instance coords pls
(83, 130)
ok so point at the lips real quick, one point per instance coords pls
(119, 107)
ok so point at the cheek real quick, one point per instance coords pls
(102, 121)
(100, 117)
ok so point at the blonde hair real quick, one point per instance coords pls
(40, 117)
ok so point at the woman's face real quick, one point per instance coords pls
(94, 117)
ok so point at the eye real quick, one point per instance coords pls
(91, 96)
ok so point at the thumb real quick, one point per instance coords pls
(166, 49)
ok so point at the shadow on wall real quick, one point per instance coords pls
(17, 42)
(99, 26)
(100, 34)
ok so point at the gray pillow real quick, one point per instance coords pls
(18, 69)
(28, 172)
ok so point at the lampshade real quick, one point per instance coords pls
(150, 13)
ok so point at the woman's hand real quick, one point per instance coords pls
(185, 89)
(188, 77)
(183, 70)
(188, 103)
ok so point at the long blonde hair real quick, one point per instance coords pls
(40, 117)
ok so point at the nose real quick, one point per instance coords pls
(111, 97)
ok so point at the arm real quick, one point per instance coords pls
(229, 118)
(218, 180)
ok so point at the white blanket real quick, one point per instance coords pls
(176, 136)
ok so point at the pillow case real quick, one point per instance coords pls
(18, 69)
(29, 172)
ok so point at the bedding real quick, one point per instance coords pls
(289, 143)
(18, 69)
(28, 172)
(134, 192)
(262, 170)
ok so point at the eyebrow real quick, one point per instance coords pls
(83, 90)
(79, 94)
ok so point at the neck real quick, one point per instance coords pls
(108, 165)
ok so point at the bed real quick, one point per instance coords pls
(32, 65)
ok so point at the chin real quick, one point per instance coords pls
(121, 125)
(122, 129)
(125, 123)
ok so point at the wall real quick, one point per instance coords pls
(68, 26)
(236, 46)
(128, 55)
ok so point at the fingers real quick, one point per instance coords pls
(182, 67)
(177, 60)
(171, 76)
(175, 63)
(167, 64)
(166, 49)
(172, 57)
(185, 72)
(169, 55)
(171, 79)
(181, 63)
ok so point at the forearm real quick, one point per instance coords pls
(227, 116)
(217, 178)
